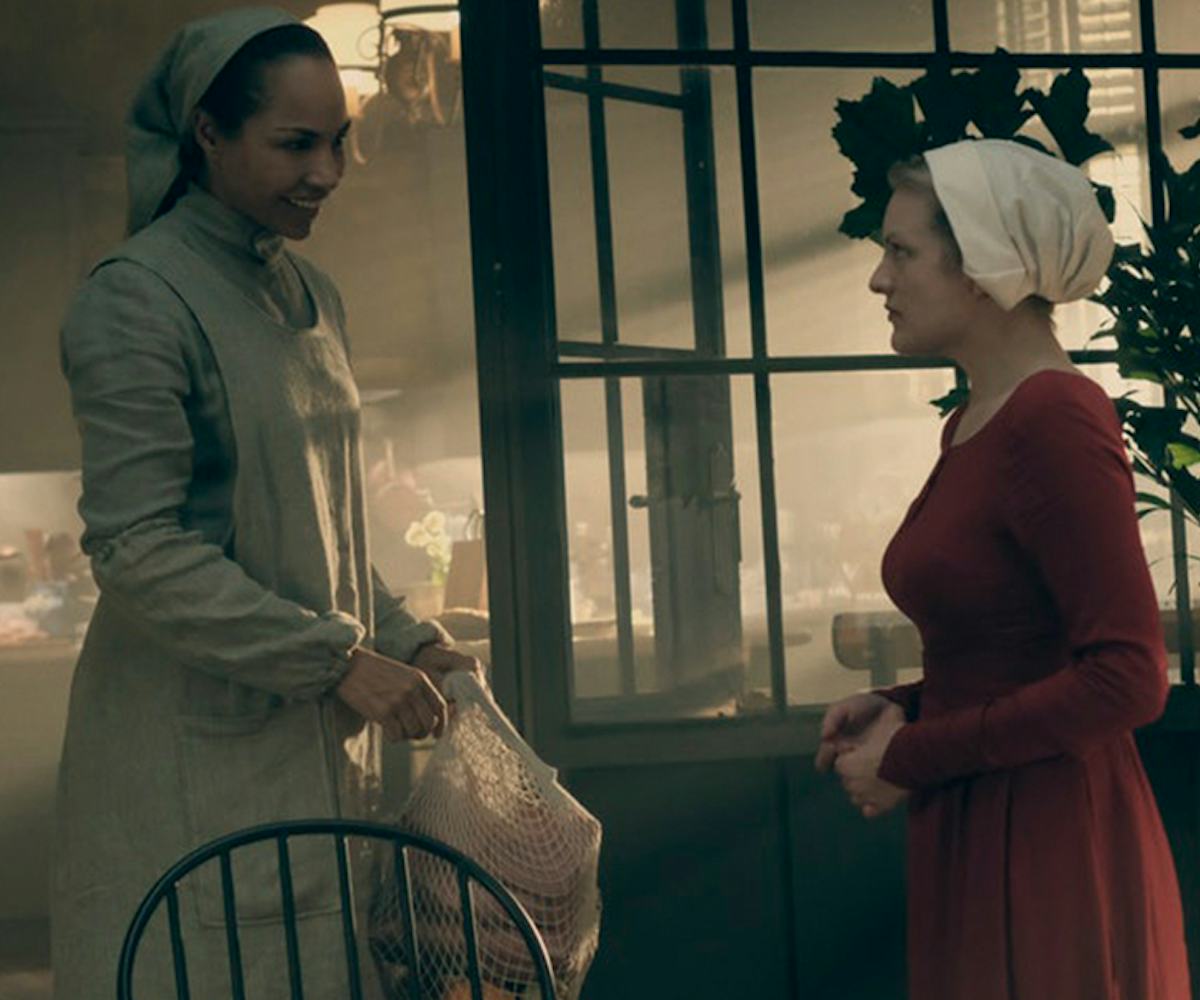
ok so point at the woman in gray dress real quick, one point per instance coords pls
(244, 658)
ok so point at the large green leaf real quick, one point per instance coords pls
(863, 222)
(1153, 503)
(1064, 111)
(879, 128)
(997, 109)
(1183, 205)
(1127, 253)
(1108, 201)
(1187, 486)
(1152, 428)
(873, 133)
(1143, 468)
(1135, 363)
(1182, 454)
(1153, 500)
(945, 106)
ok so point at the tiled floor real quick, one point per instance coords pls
(24, 960)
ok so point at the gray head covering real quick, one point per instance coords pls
(1027, 223)
(162, 109)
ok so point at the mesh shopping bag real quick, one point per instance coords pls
(486, 793)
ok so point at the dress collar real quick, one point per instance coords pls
(229, 228)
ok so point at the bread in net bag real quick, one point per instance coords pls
(487, 794)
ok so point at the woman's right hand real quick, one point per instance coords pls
(401, 698)
(848, 718)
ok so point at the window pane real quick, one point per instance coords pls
(862, 25)
(1045, 26)
(815, 277)
(1126, 171)
(1177, 25)
(1179, 95)
(562, 24)
(572, 213)
(675, 211)
(636, 24)
(693, 563)
(851, 451)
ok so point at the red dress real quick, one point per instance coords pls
(1038, 866)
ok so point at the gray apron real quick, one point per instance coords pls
(160, 757)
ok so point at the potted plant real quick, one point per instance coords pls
(425, 598)
(1153, 294)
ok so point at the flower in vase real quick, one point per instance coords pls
(429, 533)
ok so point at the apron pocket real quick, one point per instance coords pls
(240, 771)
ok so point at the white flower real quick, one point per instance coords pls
(430, 534)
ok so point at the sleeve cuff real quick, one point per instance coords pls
(403, 643)
(935, 751)
(892, 768)
(345, 635)
(907, 696)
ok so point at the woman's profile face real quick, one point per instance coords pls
(288, 156)
(927, 296)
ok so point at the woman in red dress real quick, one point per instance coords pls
(1038, 867)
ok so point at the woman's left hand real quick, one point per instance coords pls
(437, 660)
(858, 763)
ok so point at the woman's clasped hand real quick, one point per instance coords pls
(400, 697)
(405, 699)
(855, 734)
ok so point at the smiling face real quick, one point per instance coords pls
(929, 299)
(288, 156)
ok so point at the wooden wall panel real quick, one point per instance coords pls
(695, 905)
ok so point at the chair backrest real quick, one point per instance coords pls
(468, 874)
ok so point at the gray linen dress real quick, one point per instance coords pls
(224, 512)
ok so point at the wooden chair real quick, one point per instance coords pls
(470, 876)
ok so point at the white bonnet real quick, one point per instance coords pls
(1027, 223)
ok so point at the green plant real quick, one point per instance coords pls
(883, 126)
(1153, 294)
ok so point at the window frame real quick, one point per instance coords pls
(522, 365)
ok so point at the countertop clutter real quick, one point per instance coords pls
(46, 591)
